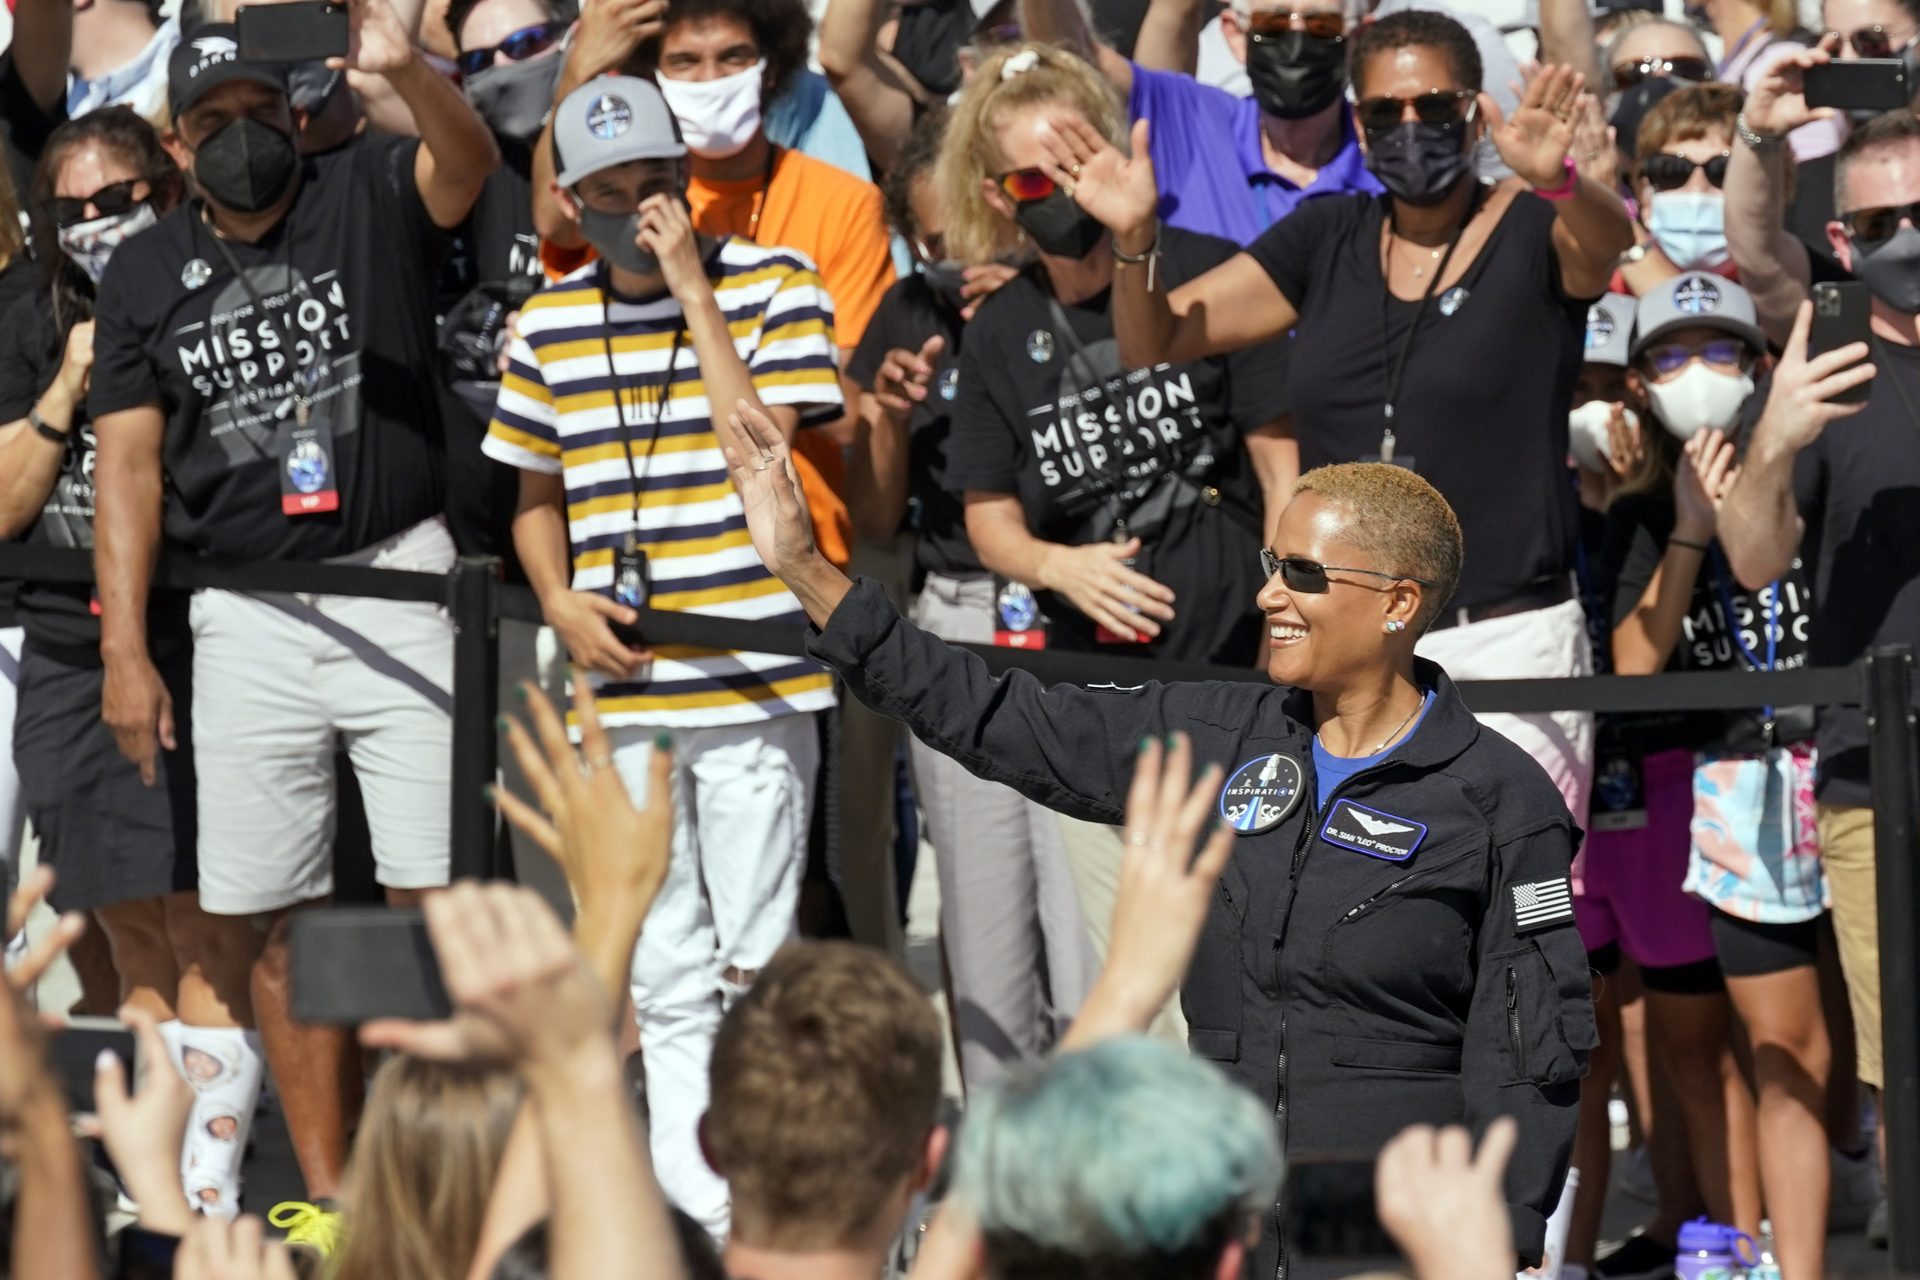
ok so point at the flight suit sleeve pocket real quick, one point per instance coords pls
(1217, 1046)
(1396, 1055)
(1549, 1018)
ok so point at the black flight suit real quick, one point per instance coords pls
(1407, 958)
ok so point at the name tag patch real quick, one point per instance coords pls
(1541, 904)
(1369, 831)
(1261, 793)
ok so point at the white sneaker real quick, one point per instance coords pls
(1857, 1188)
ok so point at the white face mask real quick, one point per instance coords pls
(718, 118)
(91, 243)
(1699, 399)
(1587, 432)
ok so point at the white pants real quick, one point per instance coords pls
(276, 678)
(12, 817)
(742, 795)
(1540, 642)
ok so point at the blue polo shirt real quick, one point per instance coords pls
(1207, 159)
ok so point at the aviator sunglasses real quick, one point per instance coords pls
(111, 200)
(1692, 70)
(1873, 42)
(1272, 23)
(1878, 224)
(1310, 576)
(518, 47)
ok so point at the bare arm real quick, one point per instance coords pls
(29, 462)
(42, 50)
(1644, 640)
(1064, 22)
(1566, 36)
(1590, 232)
(1169, 37)
(1232, 306)
(877, 480)
(1095, 577)
(457, 151)
(875, 90)
(128, 480)
(1774, 264)
(1276, 463)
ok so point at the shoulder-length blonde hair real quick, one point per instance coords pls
(1011, 79)
(423, 1167)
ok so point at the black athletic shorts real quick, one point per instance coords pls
(1749, 949)
(108, 837)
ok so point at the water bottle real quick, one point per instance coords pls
(1710, 1251)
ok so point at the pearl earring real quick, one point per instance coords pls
(1395, 626)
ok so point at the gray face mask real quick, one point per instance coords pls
(514, 99)
(1892, 270)
(612, 234)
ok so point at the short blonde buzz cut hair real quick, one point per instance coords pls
(1400, 521)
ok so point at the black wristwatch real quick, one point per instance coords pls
(46, 429)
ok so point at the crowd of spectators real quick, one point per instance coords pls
(1058, 310)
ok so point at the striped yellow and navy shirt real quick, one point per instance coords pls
(556, 415)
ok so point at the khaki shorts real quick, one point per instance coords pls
(1846, 844)
(1094, 853)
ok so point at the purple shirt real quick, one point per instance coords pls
(1207, 159)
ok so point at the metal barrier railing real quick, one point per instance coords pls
(478, 601)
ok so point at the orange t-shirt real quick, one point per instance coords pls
(824, 212)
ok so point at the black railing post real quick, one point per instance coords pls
(476, 705)
(1897, 882)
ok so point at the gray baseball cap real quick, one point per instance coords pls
(1696, 298)
(610, 121)
(1609, 330)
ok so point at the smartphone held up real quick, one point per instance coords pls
(293, 31)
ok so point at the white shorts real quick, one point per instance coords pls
(1541, 642)
(279, 680)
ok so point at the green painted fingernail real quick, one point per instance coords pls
(488, 792)
(500, 723)
(1144, 744)
(663, 740)
(520, 692)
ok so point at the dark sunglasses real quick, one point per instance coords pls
(1436, 106)
(1278, 22)
(1670, 358)
(1023, 185)
(1871, 226)
(1693, 70)
(1310, 576)
(1669, 172)
(519, 46)
(1873, 42)
(111, 200)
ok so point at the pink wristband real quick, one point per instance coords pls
(1566, 188)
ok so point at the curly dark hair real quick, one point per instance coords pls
(781, 28)
(130, 139)
(914, 161)
(1419, 28)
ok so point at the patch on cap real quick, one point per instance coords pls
(609, 116)
(1696, 297)
(1600, 326)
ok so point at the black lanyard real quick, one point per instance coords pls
(1397, 371)
(300, 401)
(659, 400)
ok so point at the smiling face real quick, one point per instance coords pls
(1322, 640)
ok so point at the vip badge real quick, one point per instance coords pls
(1039, 346)
(307, 466)
(1261, 793)
(196, 273)
(1018, 609)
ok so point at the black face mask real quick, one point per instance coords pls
(613, 235)
(514, 99)
(946, 277)
(246, 166)
(1419, 162)
(311, 86)
(1296, 75)
(1059, 226)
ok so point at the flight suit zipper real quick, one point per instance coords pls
(1513, 1022)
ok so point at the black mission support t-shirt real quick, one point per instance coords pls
(1481, 411)
(907, 316)
(348, 280)
(1858, 490)
(1045, 411)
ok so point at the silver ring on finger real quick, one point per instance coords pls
(1137, 838)
(1074, 168)
(1068, 188)
(595, 764)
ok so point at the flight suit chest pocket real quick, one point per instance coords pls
(1549, 1017)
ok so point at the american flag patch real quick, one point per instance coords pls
(1544, 902)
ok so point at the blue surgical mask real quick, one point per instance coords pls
(1690, 227)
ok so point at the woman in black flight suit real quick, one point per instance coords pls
(1392, 942)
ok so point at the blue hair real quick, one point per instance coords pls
(1129, 1149)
